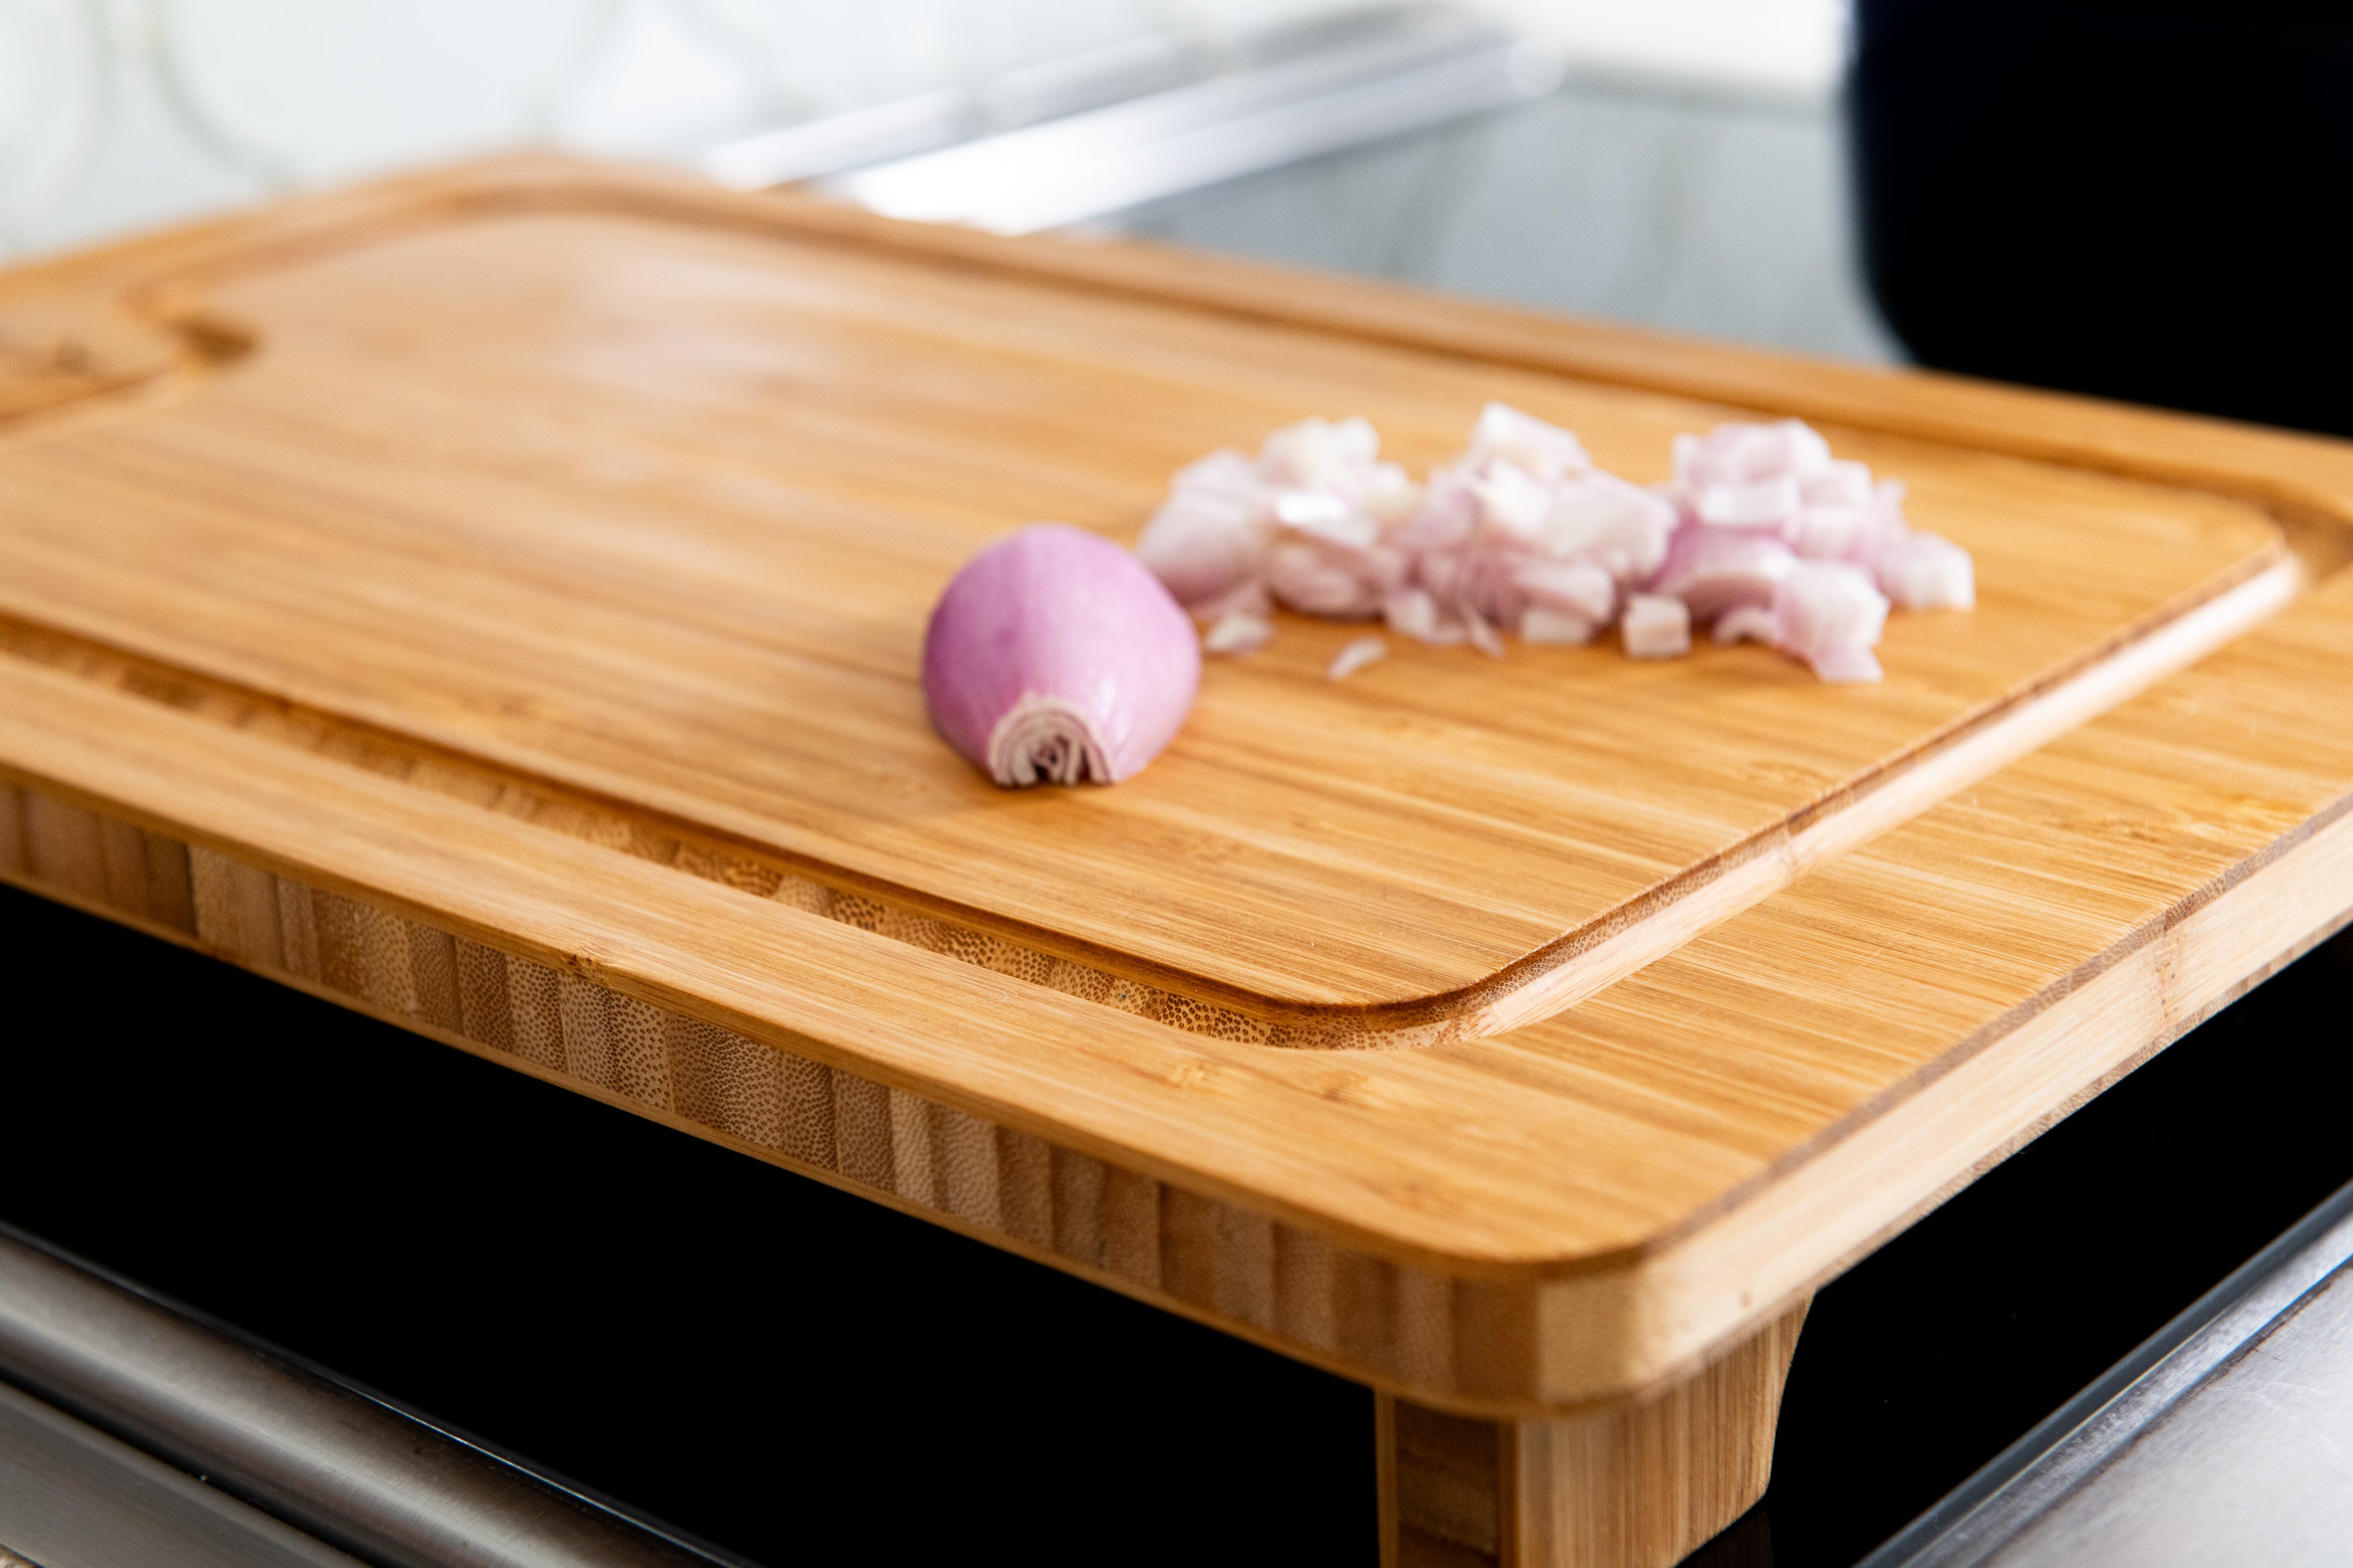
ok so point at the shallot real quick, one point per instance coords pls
(1656, 626)
(1827, 613)
(1522, 531)
(1356, 655)
(1305, 525)
(1054, 657)
(1780, 541)
(1761, 534)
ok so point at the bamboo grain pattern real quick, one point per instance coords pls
(613, 502)
(1572, 1212)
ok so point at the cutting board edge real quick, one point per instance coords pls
(1564, 1334)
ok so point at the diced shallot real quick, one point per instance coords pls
(1305, 522)
(1580, 588)
(1927, 572)
(1238, 631)
(1828, 614)
(1773, 505)
(1559, 628)
(1762, 534)
(1749, 623)
(1206, 540)
(1356, 655)
(1547, 451)
(1656, 626)
(1713, 569)
(1781, 542)
(1522, 531)
(1736, 454)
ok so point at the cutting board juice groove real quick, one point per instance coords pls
(1535, 988)
(1933, 774)
(1533, 968)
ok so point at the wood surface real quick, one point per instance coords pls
(1642, 1485)
(1576, 1212)
(624, 503)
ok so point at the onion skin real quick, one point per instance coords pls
(1054, 656)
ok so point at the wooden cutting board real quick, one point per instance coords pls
(491, 600)
(635, 508)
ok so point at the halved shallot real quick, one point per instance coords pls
(1054, 657)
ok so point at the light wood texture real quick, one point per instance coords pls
(1639, 1485)
(1577, 1212)
(610, 497)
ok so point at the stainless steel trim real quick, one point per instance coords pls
(1132, 67)
(73, 1497)
(2070, 1449)
(1353, 79)
(353, 1472)
(840, 141)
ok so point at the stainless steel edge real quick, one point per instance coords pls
(1069, 140)
(341, 1468)
(73, 1497)
(1090, 165)
(2036, 1475)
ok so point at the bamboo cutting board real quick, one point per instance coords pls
(492, 600)
(638, 508)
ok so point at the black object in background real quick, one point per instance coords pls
(2143, 199)
(1957, 1337)
(779, 1367)
(787, 1371)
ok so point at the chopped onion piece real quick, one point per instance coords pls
(1515, 500)
(1848, 666)
(1319, 453)
(1203, 542)
(1778, 542)
(1737, 453)
(1558, 628)
(1238, 632)
(1774, 504)
(1413, 613)
(1841, 483)
(1749, 623)
(1928, 572)
(1830, 615)
(1484, 636)
(1656, 626)
(1319, 580)
(1356, 655)
(1579, 587)
(1544, 451)
(1303, 524)
(1522, 532)
(1713, 569)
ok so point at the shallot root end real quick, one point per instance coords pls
(1046, 740)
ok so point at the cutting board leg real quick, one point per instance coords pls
(1642, 1485)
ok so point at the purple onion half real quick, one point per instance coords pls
(1055, 656)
